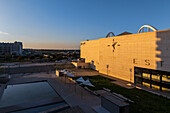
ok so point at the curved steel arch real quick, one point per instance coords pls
(110, 33)
(149, 27)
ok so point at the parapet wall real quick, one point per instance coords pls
(30, 69)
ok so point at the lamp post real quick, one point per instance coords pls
(107, 69)
(131, 76)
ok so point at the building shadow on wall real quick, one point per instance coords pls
(162, 73)
(157, 78)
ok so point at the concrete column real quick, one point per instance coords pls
(150, 78)
(161, 82)
(142, 77)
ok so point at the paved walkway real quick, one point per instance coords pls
(83, 72)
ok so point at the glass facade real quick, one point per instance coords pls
(159, 80)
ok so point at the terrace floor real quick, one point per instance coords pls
(73, 94)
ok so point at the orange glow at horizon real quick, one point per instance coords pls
(49, 45)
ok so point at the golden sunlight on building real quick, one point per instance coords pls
(142, 58)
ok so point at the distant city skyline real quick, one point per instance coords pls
(62, 24)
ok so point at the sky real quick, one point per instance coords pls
(63, 24)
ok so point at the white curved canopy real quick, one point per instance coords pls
(80, 79)
(149, 27)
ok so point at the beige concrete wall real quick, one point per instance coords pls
(57, 73)
(90, 51)
(145, 50)
(74, 63)
(82, 64)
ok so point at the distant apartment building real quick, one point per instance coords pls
(11, 48)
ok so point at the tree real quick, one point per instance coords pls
(31, 57)
(59, 57)
(20, 58)
(7, 56)
(41, 57)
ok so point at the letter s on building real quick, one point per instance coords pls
(147, 62)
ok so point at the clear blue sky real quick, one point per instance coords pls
(54, 24)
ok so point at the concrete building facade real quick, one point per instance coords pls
(11, 48)
(142, 58)
(81, 65)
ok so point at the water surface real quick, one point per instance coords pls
(23, 93)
